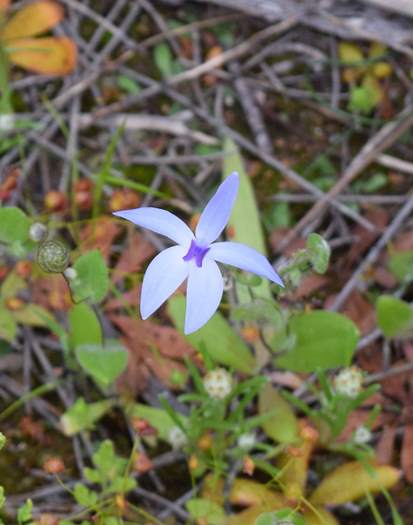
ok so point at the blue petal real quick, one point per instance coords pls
(245, 258)
(204, 293)
(216, 213)
(165, 273)
(159, 221)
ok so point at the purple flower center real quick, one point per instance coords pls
(196, 252)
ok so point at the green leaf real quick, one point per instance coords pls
(32, 315)
(282, 426)
(12, 285)
(318, 252)
(280, 517)
(84, 326)
(128, 84)
(321, 340)
(92, 281)
(401, 265)
(245, 220)
(14, 226)
(217, 337)
(105, 364)
(82, 416)
(156, 417)
(24, 514)
(394, 316)
(8, 326)
(85, 496)
(163, 57)
(204, 509)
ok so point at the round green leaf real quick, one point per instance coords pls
(92, 281)
(322, 340)
(394, 316)
(14, 225)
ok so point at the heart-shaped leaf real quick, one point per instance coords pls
(92, 281)
(105, 364)
(394, 316)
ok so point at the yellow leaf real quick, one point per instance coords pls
(351, 481)
(294, 469)
(374, 89)
(248, 493)
(319, 516)
(350, 54)
(49, 56)
(32, 20)
(282, 425)
(377, 49)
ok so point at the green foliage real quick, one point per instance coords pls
(321, 340)
(401, 265)
(245, 220)
(318, 252)
(394, 316)
(92, 280)
(163, 58)
(282, 425)
(14, 226)
(83, 416)
(84, 326)
(104, 364)
(280, 517)
(206, 510)
(128, 85)
(216, 338)
(24, 514)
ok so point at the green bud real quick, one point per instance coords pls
(53, 256)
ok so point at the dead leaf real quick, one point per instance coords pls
(385, 445)
(309, 285)
(160, 349)
(406, 455)
(129, 298)
(32, 20)
(52, 292)
(48, 56)
(131, 260)
(100, 235)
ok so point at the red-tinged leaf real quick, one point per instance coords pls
(32, 20)
(47, 56)
(99, 235)
(52, 292)
(385, 445)
(407, 453)
(129, 298)
(4, 5)
(131, 260)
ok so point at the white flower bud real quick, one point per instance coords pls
(349, 382)
(362, 435)
(247, 441)
(37, 232)
(218, 383)
(177, 438)
(70, 273)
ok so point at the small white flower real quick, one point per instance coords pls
(218, 383)
(70, 273)
(247, 441)
(177, 438)
(362, 435)
(37, 232)
(7, 122)
(349, 382)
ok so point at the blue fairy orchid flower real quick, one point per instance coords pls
(195, 257)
